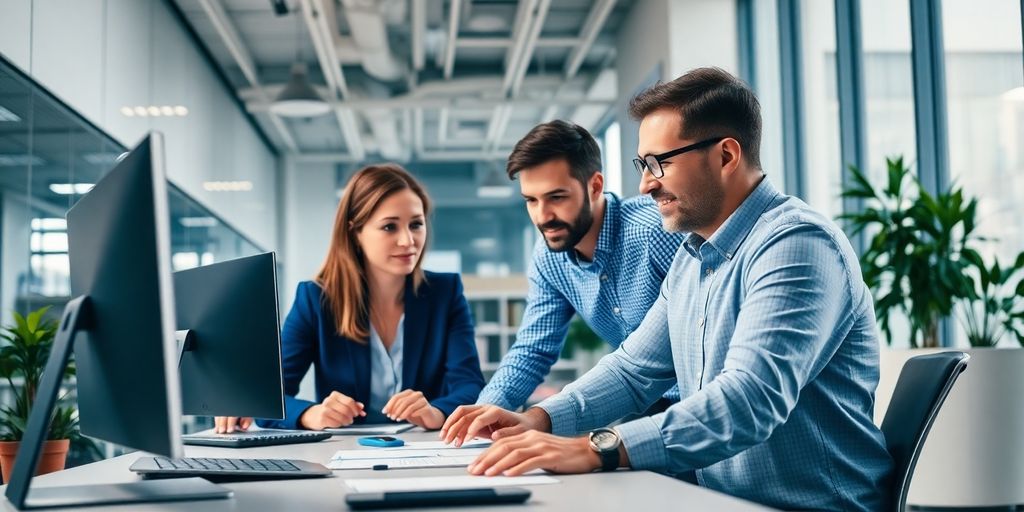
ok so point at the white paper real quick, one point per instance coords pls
(439, 445)
(403, 454)
(410, 463)
(436, 483)
(371, 430)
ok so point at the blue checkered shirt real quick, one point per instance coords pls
(611, 294)
(769, 330)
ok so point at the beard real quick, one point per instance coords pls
(693, 211)
(574, 232)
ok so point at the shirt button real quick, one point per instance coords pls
(616, 310)
(604, 277)
(709, 271)
(700, 322)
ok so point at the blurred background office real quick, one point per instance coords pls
(446, 88)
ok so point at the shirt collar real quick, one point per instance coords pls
(727, 239)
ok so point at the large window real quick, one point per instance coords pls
(821, 107)
(888, 84)
(985, 105)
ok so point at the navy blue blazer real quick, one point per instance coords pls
(439, 351)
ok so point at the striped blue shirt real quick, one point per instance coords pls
(611, 294)
(769, 331)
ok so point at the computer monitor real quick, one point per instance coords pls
(231, 361)
(121, 326)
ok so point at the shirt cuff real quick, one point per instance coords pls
(494, 398)
(644, 444)
(563, 414)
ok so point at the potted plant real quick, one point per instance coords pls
(915, 261)
(922, 263)
(22, 359)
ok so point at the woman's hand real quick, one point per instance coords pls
(229, 424)
(337, 410)
(412, 406)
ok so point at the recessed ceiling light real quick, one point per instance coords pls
(227, 186)
(141, 111)
(20, 160)
(67, 189)
(181, 110)
(8, 116)
(198, 222)
(153, 111)
(127, 112)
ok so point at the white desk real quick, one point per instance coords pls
(623, 491)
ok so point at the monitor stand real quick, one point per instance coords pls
(77, 317)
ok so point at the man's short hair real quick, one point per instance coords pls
(557, 140)
(712, 103)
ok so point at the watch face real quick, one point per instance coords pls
(605, 440)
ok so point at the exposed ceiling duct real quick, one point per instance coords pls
(366, 20)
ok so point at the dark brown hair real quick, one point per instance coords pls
(342, 277)
(557, 140)
(712, 103)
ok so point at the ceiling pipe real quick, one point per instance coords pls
(369, 33)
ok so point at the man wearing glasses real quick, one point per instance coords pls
(602, 258)
(763, 321)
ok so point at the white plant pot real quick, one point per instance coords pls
(974, 454)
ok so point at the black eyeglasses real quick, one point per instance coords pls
(653, 162)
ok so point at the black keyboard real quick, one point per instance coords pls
(247, 439)
(217, 469)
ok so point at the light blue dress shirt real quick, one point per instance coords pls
(385, 373)
(611, 294)
(769, 330)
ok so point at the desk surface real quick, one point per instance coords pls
(621, 490)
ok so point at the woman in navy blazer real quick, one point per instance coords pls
(386, 339)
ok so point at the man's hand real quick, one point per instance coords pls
(521, 453)
(412, 406)
(229, 424)
(337, 410)
(491, 422)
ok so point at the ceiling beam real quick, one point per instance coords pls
(512, 89)
(453, 35)
(506, 42)
(419, 30)
(319, 17)
(591, 28)
(400, 102)
(229, 36)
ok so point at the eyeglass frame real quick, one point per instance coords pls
(641, 164)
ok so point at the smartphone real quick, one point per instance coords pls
(381, 441)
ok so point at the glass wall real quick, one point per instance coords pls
(821, 107)
(985, 108)
(49, 158)
(888, 84)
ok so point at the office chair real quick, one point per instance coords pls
(923, 385)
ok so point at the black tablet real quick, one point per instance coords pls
(446, 498)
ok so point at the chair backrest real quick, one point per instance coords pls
(923, 386)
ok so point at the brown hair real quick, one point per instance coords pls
(342, 277)
(554, 140)
(712, 103)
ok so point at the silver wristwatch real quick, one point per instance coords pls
(605, 442)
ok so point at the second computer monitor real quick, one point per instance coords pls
(233, 367)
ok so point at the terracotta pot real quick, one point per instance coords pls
(52, 459)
